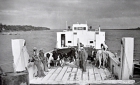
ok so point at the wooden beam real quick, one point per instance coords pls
(61, 74)
(67, 74)
(91, 75)
(79, 74)
(54, 75)
(73, 74)
(48, 75)
(97, 74)
(127, 52)
(107, 82)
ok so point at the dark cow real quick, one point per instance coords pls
(72, 55)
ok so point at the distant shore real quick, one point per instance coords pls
(9, 28)
(123, 29)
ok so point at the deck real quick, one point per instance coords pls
(73, 75)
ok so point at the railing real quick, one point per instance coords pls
(114, 65)
(122, 67)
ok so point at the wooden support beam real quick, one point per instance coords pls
(15, 79)
(127, 51)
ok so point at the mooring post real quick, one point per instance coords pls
(127, 51)
(20, 74)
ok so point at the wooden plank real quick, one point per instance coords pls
(33, 80)
(61, 74)
(48, 75)
(107, 72)
(85, 75)
(55, 73)
(79, 74)
(67, 74)
(102, 73)
(39, 80)
(91, 75)
(73, 74)
(97, 74)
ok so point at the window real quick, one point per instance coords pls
(79, 28)
(90, 41)
(69, 41)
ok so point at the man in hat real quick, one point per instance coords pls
(37, 62)
(43, 60)
(82, 58)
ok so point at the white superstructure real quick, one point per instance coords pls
(80, 31)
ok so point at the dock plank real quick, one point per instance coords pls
(67, 74)
(33, 80)
(91, 75)
(55, 73)
(39, 80)
(85, 75)
(73, 74)
(97, 74)
(102, 73)
(49, 74)
(61, 74)
(79, 74)
(107, 72)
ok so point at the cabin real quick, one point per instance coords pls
(69, 38)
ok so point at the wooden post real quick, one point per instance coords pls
(127, 48)
(15, 79)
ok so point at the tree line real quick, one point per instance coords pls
(4, 27)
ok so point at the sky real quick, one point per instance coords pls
(109, 14)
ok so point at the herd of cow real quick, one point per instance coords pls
(56, 58)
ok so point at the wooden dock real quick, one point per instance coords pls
(73, 75)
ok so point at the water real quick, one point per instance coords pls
(47, 40)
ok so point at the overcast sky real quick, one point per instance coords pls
(54, 13)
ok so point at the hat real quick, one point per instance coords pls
(81, 45)
(34, 48)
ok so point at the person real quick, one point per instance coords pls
(105, 55)
(37, 62)
(43, 60)
(82, 58)
(105, 46)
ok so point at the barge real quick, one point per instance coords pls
(119, 70)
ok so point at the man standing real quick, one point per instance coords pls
(83, 58)
(37, 62)
(43, 60)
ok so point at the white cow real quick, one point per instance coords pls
(49, 58)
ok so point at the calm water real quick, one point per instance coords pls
(47, 40)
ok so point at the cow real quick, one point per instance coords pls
(49, 58)
(101, 57)
(72, 55)
(98, 58)
(61, 59)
